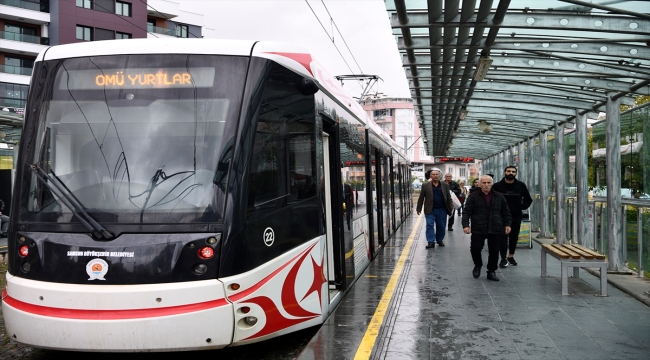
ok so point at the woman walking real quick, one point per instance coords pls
(462, 196)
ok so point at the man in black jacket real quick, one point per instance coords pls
(455, 188)
(488, 211)
(518, 198)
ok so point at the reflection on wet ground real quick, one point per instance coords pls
(440, 311)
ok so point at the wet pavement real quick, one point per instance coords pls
(440, 311)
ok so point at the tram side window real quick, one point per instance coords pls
(283, 159)
(266, 182)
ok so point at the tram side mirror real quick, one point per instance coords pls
(307, 86)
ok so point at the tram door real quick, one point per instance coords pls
(377, 222)
(386, 193)
(333, 212)
(328, 207)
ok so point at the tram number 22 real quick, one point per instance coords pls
(269, 236)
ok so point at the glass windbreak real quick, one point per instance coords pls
(635, 168)
(136, 139)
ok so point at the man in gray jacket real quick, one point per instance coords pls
(437, 206)
(490, 218)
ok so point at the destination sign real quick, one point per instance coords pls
(455, 159)
(143, 78)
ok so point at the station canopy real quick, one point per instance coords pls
(486, 75)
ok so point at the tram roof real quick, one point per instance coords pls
(550, 58)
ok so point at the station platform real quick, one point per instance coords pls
(418, 303)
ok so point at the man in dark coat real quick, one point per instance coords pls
(518, 198)
(490, 218)
(437, 202)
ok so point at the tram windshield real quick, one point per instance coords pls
(134, 138)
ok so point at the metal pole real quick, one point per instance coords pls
(530, 165)
(639, 222)
(582, 174)
(543, 190)
(467, 174)
(560, 179)
(601, 248)
(613, 155)
(521, 164)
(624, 233)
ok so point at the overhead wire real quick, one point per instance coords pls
(342, 38)
(332, 39)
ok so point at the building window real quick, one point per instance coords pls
(122, 8)
(84, 33)
(107, 6)
(450, 170)
(13, 95)
(151, 25)
(119, 35)
(88, 4)
(103, 34)
(19, 66)
(19, 29)
(181, 31)
(461, 172)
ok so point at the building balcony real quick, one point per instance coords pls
(164, 9)
(29, 5)
(10, 102)
(24, 38)
(22, 14)
(17, 70)
(14, 78)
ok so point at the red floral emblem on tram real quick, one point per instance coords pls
(289, 302)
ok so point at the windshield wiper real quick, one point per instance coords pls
(58, 188)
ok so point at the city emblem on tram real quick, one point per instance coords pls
(96, 269)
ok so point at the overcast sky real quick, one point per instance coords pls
(363, 25)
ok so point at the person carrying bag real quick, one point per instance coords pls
(462, 197)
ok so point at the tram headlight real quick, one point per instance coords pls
(206, 252)
(23, 250)
(250, 320)
(26, 267)
(200, 269)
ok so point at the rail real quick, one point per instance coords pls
(161, 30)
(18, 70)
(8, 35)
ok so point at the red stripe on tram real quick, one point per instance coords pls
(79, 314)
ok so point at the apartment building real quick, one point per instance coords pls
(29, 26)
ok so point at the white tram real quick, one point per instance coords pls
(177, 194)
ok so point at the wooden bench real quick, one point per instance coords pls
(575, 256)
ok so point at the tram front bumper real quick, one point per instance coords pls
(157, 317)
